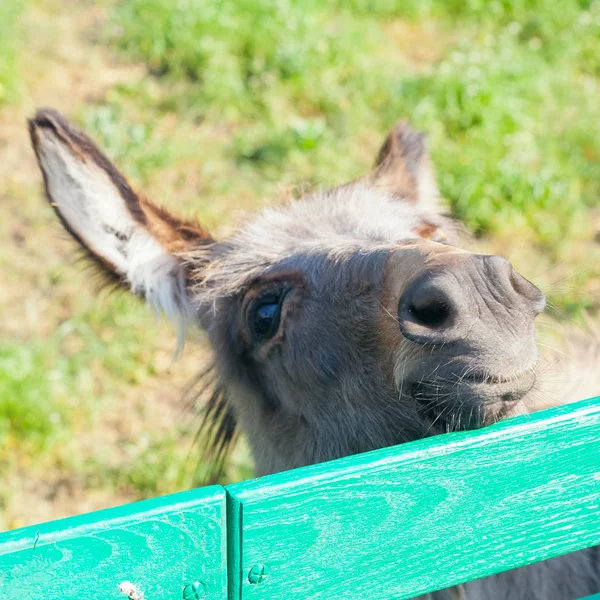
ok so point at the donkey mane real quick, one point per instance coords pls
(218, 431)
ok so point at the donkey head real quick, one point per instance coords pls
(342, 322)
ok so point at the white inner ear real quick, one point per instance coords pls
(92, 206)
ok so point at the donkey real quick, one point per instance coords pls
(345, 321)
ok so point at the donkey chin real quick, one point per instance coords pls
(453, 402)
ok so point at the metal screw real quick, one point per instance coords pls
(258, 573)
(194, 591)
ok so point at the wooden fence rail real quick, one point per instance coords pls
(389, 524)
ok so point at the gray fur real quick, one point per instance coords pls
(334, 398)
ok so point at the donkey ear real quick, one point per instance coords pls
(403, 167)
(136, 243)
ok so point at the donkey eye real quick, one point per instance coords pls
(265, 317)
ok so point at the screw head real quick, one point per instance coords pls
(194, 591)
(258, 573)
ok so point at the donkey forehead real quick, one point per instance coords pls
(344, 218)
(331, 225)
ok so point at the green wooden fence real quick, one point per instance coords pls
(389, 524)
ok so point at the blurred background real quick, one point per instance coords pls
(213, 108)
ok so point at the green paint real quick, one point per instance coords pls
(403, 521)
(234, 547)
(389, 524)
(158, 545)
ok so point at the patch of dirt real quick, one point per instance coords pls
(64, 67)
(61, 68)
(419, 44)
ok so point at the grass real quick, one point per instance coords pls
(214, 107)
(302, 81)
(9, 33)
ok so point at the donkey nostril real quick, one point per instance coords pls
(431, 312)
(429, 309)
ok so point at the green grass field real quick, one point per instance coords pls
(217, 108)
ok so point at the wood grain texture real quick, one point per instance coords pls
(407, 520)
(158, 545)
